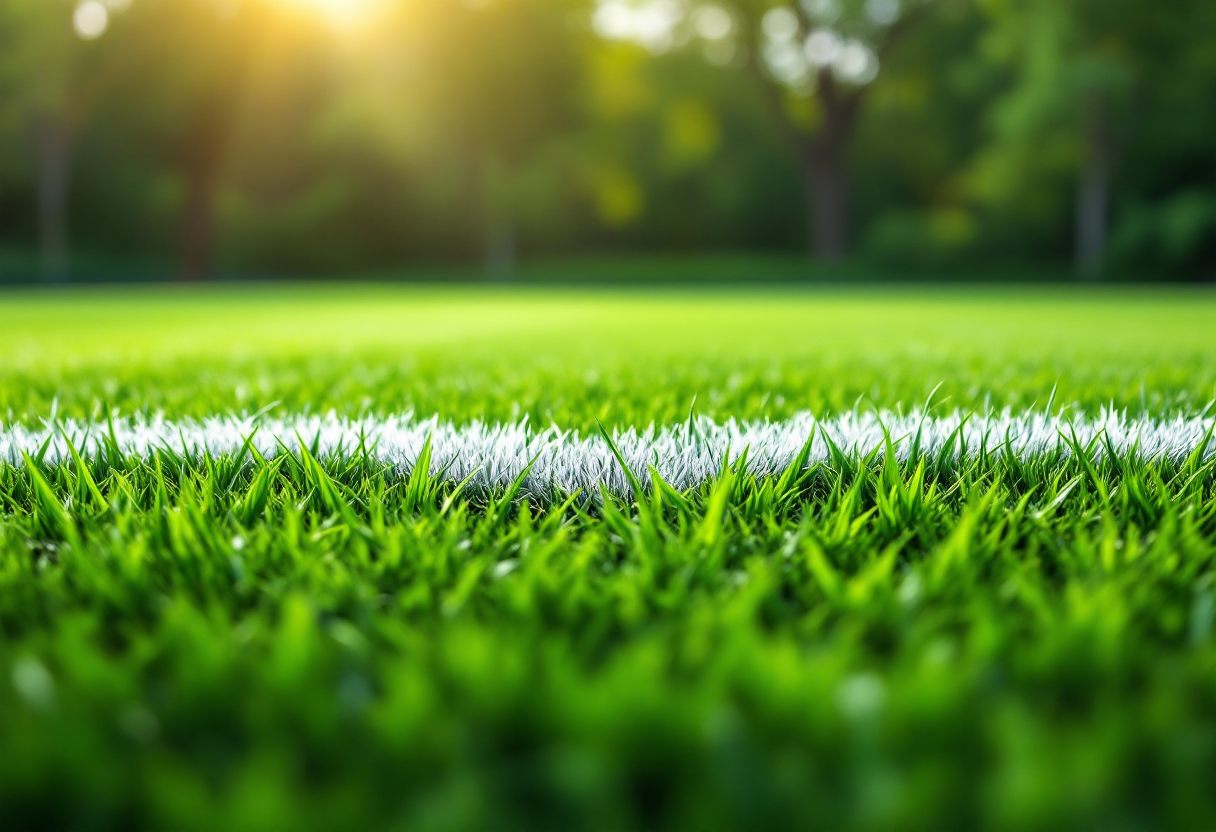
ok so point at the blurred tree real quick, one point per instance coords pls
(817, 59)
(1080, 69)
(814, 59)
(293, 135)
(489, 82)
(1165, 218)
(201, 52)
(682, 156)
(54, 71)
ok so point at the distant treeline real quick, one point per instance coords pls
(273, 137)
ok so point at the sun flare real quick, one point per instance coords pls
(340, 12)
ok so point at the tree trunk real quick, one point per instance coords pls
(54, 141)
(500, 253)
(826, 165)
(496, 215)
(201, 163)
(198, 225)
(828, 200)
(1093, 192)
(824, 158)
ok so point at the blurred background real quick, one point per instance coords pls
(594, 139)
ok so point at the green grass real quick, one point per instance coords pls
(306, 643)
(624, 358)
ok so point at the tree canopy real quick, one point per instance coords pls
(288, 136)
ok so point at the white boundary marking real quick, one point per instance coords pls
(686, 455)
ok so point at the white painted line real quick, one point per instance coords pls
(494, 456)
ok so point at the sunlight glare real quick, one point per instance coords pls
(90, 20)
(339, 12)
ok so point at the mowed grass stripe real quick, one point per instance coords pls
(620, 358)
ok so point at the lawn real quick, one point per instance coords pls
(303, 634)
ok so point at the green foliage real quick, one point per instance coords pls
(318, 641)
(448, 128)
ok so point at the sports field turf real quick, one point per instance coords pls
(889, 560)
